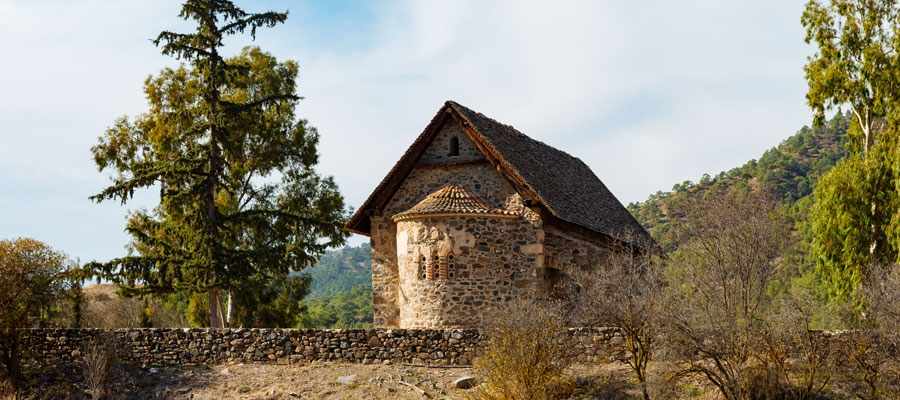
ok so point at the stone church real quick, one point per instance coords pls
(475, 214)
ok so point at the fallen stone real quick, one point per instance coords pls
(346, 379)
(464, 382)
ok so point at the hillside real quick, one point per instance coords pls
(341, 290)
(789, 171)
(341, 270)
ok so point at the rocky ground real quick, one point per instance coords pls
(315, 380)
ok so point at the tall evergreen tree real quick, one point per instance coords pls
(855, 219)
(239, 195)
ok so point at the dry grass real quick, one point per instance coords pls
(315, 381)
(6, 390)
(319, 380)
(97, 361)
(104, 308)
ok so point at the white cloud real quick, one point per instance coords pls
(646, 93)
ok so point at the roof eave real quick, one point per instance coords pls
(359, 223)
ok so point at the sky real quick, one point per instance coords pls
(647, 93)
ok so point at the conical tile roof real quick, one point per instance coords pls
(450, 200)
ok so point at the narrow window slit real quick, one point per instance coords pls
(454, 147)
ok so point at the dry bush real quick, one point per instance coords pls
(626, 292)
(799, 361)
(7, 391)
(871, 352)
(525, 355)
(98, 356)
(105, 308)
(717, 312)
(32, 277)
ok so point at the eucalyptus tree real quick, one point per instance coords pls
(855, 219)
(235, 167)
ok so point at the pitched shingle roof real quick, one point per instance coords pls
(568, 187)
(563, 184)
(450, 199)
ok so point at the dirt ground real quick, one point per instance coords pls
(313, 381)
(317, 380)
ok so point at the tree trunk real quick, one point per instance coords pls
(11, 357)
(215, 167)
(866, 125)
(215, 319)
(229, 309)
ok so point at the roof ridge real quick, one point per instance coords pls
(513, 128)
(563, 183)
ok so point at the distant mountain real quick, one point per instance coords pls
(789, 171)
(341, 270)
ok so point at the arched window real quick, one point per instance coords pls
(454, 147)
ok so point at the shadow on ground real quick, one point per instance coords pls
(130, 383)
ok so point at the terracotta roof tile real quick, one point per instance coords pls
(450, 199)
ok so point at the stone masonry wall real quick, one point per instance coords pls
(569, 253)
(439, 150)
(385, 274)
(48, 348)
(480, 179)
(490, 261)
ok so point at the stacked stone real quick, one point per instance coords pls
(180, 347)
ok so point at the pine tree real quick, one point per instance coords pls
(239, 195)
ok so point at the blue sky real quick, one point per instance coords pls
(647, 93)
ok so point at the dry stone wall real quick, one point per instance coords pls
(62, 348)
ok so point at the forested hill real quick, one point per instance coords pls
(789, 171)
(340, 270)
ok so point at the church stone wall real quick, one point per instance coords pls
(436, 169)
(385, 276)
(438, 152)
(495, 259)
(479, 179)
(455, 269)
(570, 252)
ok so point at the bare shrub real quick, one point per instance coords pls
(98, 356)
(7, 391)
(105, 308)
(525, 355)
(717, 310)
(626, 292)
(871, 351)
(800, 361)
